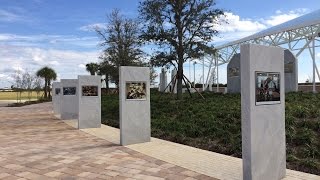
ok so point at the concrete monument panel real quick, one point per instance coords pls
(89, 101)
(290, 76)
(263, 112)
(290, 71)
(134, 105)
(174, 81)
(233, 75)
(69, 99)
(163, 80)
(56, 97)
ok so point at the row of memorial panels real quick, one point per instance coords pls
(134, 90)
(86, 91)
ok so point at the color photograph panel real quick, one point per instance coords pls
(233, 72)
(69, 91)
(57, 91)
(136, 91)
(89, 90)
(267, 88)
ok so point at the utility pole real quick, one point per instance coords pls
(194, 73)
(203, 74)
(190, 71)
(217, 66)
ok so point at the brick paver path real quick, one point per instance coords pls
(36, 145)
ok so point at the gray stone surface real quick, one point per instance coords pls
(263, 126)
(89, 106)
(234, 79)
(174, 82)
(69, 103)
(56, 98)
(290, 71)
(163, 80)
(290, 68)
(134, 114)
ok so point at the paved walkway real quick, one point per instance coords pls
(36, 145)
(205, 162)
(4, 103)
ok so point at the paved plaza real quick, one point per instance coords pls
(36, 145)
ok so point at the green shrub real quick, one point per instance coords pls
(300, 112)
(214, 124)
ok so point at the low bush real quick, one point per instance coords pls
(41, 100)
(214, 124)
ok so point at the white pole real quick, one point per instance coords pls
(202, 73)
(194, 73)
(190, 71)
(314, 66)
(210, 80)
(217, 73)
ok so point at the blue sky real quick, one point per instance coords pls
(34, 33)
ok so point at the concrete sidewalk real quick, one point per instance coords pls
(205, 162)
(4, 103)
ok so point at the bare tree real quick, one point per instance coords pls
(120, 38)
(17, 84)
(38, 85)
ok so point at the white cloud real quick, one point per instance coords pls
(31, 53)
(55, 63)
(282, 17)
(8, 16)
(91, 27)
(237, 27)
(235, 24)
(234, 28)
(64, 62)
(231, 36)
(5, 78)
(53, 40)
(82, 66)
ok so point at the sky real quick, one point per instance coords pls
(58, 33)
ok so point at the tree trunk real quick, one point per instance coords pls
(45, 89)
(49, 91)
(107, 82)
(179, 78)
(117, 86)
(179, 48)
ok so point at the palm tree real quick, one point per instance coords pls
(48, 74)
(108, 70)
(92, 68)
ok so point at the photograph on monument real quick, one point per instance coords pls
(288, 67)
(267, 88)
(136, 91)
(57, 91)
(233, 72)
(89, 90)
(69, 90)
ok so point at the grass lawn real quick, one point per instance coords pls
(13, 95)
(214, 124)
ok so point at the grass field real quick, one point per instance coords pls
(13, 95)
(214, 124)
